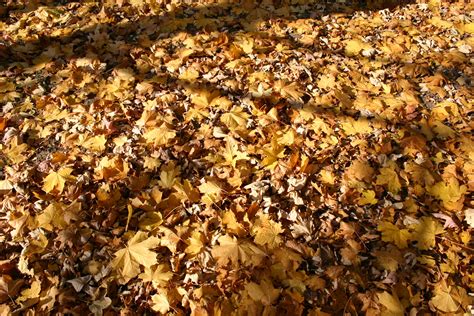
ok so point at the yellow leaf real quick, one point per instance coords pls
(272, 153)
(231, 152)
(5, 185)
(57, 180)
(159, 136)
(211, 191)
(195, 243)
(353, 47)
(151, 163)
(326, 81)
(392, 304)
(391, 233)
(353, 127)
(368, 197)
(327, 177)
(246, 43)
(158, 275)
(95, 143)
(290, 91)
(235, 119)
(468, 28)
(450, 193)
(232, 251)
(52, 216)
(444, 300)
(127, 261)
(189, 74)
(169, 239)
(266, 231)
(111, 169)
(32, 292)
(232, 224)
(263, 292)
(160, 303)
(426, 231)
(150, 220)
(168, 177)
(388, 176)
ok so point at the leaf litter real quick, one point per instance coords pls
(214, 158)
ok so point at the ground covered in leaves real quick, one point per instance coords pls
(217, 158)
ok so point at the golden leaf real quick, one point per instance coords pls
(231, 250)
(426, 231)
(389, 176)
(391, 233)
(127, 261)
(158, 275)
(231, 152)
(450, 193)
(57, 180)
(111, 169)
(95, 143)
(32, 292)
(195, 243)
(368, 197)
(392, 304)
(263, 292)
(232, 224)
(235, 119)
(353, 47)
(354, 127)
(272, 153)
(211, 191)
(159, 136)
(160, 303)
(266, 231)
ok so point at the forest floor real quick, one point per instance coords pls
(213, 158)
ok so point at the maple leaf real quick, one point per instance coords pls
(368, 197)
(211, 190)
(448, 298)
(52, 216)
(195, 243)
(159, 136)
(16, 151)
(266, 231)
(426, 231)
(235, 119)
(232, 224)
(111, 169)
(32, 292)
(57, 180)
(392, 304)
(95, 143)
(231, 152)
(291, 91)
(246, 43)
(230, 250)
(353, 127)
(127, 261)
(392, 233)
(388, 176)
(354, 46)
(158, 275)
(272, 153)
(450, 193)
(264, 292)
(168, 177)
(160, 303)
